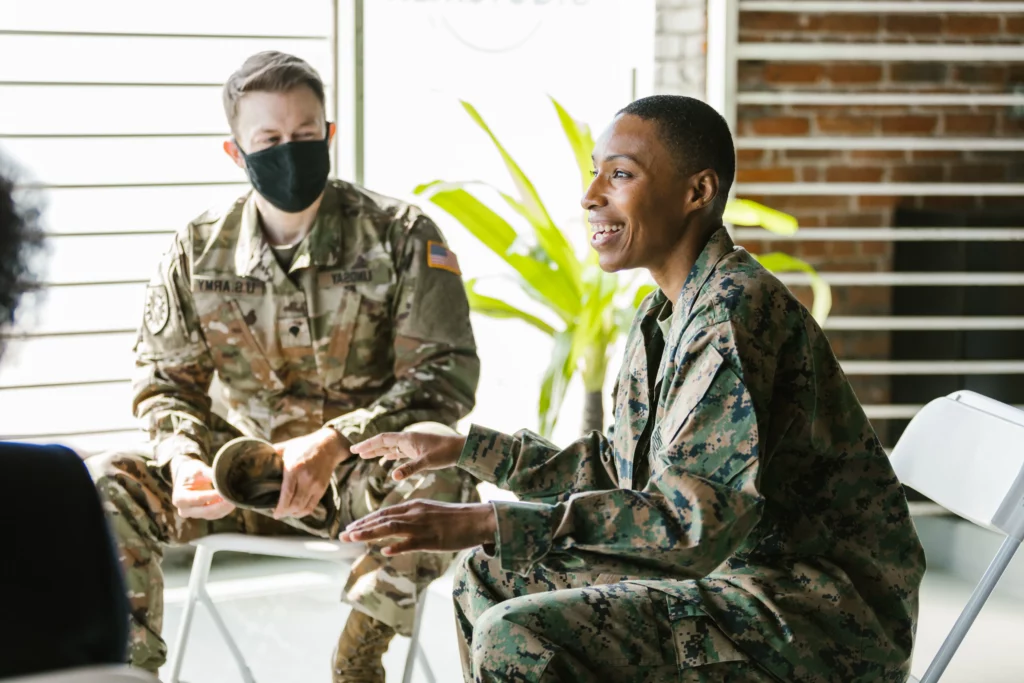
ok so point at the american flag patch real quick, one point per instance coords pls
(440, 256)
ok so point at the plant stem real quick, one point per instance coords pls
(593, 412)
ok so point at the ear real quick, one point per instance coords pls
(703, 189)
(231, 149)
(332, 128)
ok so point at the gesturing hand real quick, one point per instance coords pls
(193, 493)
(423, 451)
(426, 525)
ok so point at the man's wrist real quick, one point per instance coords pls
(176, 461)
(339, 444)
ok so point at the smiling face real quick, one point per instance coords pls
(639, 204)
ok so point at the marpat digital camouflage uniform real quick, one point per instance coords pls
(368, 332)
(740, 523)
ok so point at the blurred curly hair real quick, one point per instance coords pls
(21, 239)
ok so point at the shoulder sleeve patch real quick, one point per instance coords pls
(158, 310)
(440, 256)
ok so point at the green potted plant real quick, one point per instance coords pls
(592, 307)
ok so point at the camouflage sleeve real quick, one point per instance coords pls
(534, 468)
(698, 507)
(173, 367)
(436, 365)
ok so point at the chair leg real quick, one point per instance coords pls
(196, 586)
(236, 652)
(415, 651)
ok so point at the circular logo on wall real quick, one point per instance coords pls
(497, 25)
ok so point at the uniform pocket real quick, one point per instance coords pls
(241, 361)
(684, 394)
(698, 640)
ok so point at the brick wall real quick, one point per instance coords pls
(874, 165)
(679, 47)
(860, 165)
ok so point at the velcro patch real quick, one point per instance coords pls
(228, 284)
(158, 309)
(440, 256)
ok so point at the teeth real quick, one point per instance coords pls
(608, 228)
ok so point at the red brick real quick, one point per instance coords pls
(804, 154)
(780, 73)
(976, 173)
(850, 23)
(810, 174)
(935, 155)
(791, 204)
(977, 74)
(1015, 26)
(868, 300)
(877, 202)
(808, 250)
(874, 248)
(846, 125)
(765, 175)
(750, 74)
(771, 21)
(854, 73)
(854, 174)
(842, 249)
(950, 203)
(918, 72)
(973, 124)
(917, 174)
(913, 23)
(856, 220)
(909, 124)
(749, 155)
(781, 125)
(967, 24)
(890, 154)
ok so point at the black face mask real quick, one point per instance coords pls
(290, 176)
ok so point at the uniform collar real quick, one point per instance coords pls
(321, 247)
(718, 247)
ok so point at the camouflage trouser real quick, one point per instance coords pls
(548, 627)
(137, 499)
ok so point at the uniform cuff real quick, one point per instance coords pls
(488, 454)
(524, 534)
(359, 425)
(174, 445)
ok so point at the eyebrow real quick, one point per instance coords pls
(612, 157)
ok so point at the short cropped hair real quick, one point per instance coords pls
(695, 134)
(21, 239)
(269, 72)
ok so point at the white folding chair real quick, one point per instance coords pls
(296, 547)
(89, 674)
(966, 453)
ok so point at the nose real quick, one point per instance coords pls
(593, 198)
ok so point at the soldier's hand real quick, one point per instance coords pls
(193, 493)
(426, 525)
(309, 462)
(422, 451)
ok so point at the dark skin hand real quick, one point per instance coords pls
(421, 525)
(644, 212)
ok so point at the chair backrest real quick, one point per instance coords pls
(90, 674)
(966, 452)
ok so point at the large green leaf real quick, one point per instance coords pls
(496, 308)
(749, 213)
(500, 237)
(580, 140)
(777, 262)
(532, 208)
(556, 382)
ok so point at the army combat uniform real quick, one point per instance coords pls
(367, 332)
(740, 523)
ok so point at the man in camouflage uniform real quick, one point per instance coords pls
(740, 523)
(328, 314)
